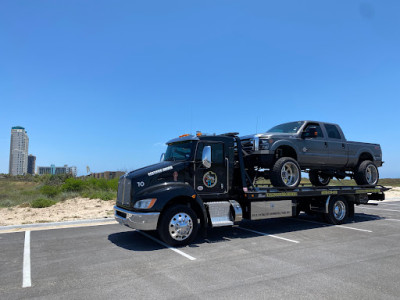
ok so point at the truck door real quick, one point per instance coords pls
(214, 179)
(337, 146)
(314, 150)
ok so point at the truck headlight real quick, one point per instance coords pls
(263, 145)
(145, 203)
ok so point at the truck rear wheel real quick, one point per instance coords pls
(318, 179)
(178, 225)
(285, 173)
(338, 210)
(366, 173)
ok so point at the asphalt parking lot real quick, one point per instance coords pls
(278, 258)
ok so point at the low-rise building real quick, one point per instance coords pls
(53, 170)
(107, 174)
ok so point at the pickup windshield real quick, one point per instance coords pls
(179, 151)
(291, 127)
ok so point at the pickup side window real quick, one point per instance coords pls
(317, 128)
(333, 132)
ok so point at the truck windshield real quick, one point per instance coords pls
(179, 151)
(291, 127)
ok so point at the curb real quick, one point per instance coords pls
(66, 223)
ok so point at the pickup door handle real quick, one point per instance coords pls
(343, 146)
(326, 145)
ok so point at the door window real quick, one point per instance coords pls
(320, 135)
(333, 132)
(217, 152)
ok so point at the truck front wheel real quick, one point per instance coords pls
(178, 225)
(285, 173)
(338, 210)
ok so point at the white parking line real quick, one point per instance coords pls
(323, 224)
(26, 268)
(389, 203)
(379, 209)
(166, 245)
(270, 235)
(397, 220)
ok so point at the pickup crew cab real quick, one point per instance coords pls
(316, 147)
(202, 182)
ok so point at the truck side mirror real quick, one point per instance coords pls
(310, 132)
(162, 157)
(206, 157)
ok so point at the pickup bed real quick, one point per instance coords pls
(315, 147)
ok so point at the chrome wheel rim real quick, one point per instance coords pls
(339, 210)
(180, 226)
(371, 174)
(323, 180)
(290, 174)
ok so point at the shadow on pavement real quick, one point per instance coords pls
(135, 241)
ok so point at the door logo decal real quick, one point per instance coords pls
(210, 179)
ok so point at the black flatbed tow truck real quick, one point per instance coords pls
(202, 182)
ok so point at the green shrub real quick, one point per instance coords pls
(98, 184)
(96, 194)
(42, 202)
(50, 190)
(113, 184)
(73, 185)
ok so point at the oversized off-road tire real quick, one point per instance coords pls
(338, 210)
(178, 225)
(285, 173)
(318, 179)
(366, 173)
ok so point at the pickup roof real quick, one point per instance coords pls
(315, 147)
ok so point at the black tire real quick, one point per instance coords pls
(318, 179)
(338, 210)
(276, 173)
(178, 235)
(366, 173)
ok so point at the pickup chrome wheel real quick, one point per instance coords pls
(285, 173)
(318, 179)
(178, 225)
(338, 210)
(371, 174)
(366, 173)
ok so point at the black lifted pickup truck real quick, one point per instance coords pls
(315, 147)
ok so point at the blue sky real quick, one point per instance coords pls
(106, 83)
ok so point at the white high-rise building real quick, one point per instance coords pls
(18, 151)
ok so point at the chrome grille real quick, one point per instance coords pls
(248, 145)
(124, 192)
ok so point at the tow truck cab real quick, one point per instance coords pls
(194, 169)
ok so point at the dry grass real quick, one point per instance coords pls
(20, 191)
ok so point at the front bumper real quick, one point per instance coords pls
(136, 220)
(261, 158)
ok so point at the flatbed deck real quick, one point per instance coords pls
(269, 192)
